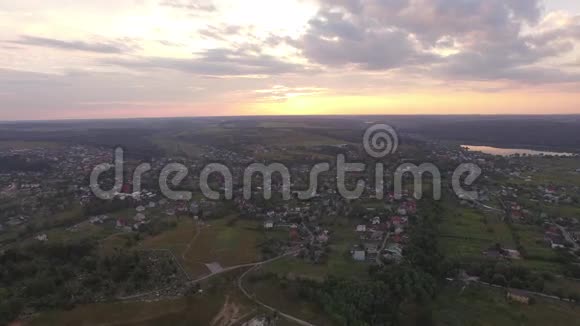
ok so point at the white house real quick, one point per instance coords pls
(268, 225)
(42, 237)
(140, 217)
(359, 255)
(361, 228)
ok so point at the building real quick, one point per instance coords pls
(518, 296)
(268, 225)
(140, 217)
(359, 255)
(361, 228)
(42, 237)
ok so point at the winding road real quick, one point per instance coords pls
(251, 297)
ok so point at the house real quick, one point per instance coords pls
(396, 220)
(268, 225)
(323, 238)
(140, 209)
(518, 296)
(361, 228)
(359, 255)
(294, 235)
(140, 217)
(41, 237)
(393, 253)
(261, 321)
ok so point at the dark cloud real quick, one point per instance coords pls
(487, 35)
(335, 40)
(217, 62)
(97, 47)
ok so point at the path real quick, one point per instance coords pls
(482, 204)
(251, 297)
(568, 237)
(188, 247)
(378, 259)
(231, 268)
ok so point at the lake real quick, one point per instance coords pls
(512, 151)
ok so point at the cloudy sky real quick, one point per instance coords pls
(151, 58)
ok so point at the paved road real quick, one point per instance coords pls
(568, 237)
(378, 259)
(484, 205)
(229, 269)
(203, 278)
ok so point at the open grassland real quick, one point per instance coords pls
(227, 241)
(480, 306)
(180, 148)
(286, 299)
(467, 232)
(221, 298)
(558, 171)
(532, 239)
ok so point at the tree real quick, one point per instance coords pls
(574, 296)
(559, 292)
(516, 283)
(499, 279)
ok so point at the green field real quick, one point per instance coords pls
(220, 297)
(481, 306)
(467, 232)
(287, 300)
(217, 241)
(559, 171)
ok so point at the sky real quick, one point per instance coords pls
(84, 59)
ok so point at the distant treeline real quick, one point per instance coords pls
(532, 133)
(135, 141)
(16, 163)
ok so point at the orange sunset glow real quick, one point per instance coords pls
(155, 58)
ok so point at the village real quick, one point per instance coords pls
(519, 217)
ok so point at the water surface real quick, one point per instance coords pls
(512, 151)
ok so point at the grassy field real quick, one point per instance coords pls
(558, 171)
(532, 238)
(201, 309)
(480, 306)
(287, 301)
(467, 232)
(217, 241)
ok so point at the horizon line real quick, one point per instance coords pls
(297, 116)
